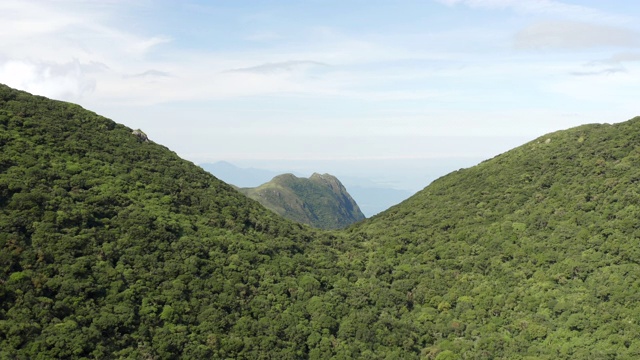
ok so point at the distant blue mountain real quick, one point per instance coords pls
(240, 177)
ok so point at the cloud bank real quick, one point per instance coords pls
(69, 81)
(574, 35)
(284, 66)
(67, 49)
(541, 7)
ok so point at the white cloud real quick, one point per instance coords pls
(605, 71)
(150, 74)
(609, 66)
(32, 18)
(86, 33)
(619, 88)
(541, 7)
(284, 66)
(68, 49)
(574, 35)
(79, 51)
(142, 46)
(624, 57)
(68, 81)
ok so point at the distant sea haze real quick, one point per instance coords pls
(372, 198)
(375, 185)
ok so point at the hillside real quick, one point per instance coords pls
(320, 201)
(532, 253)
(113, 247)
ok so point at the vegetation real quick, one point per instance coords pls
(320, 201)
(532, 254)
(113, 247)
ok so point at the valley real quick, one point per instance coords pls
(114, 247)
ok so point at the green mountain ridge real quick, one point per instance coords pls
(320, 201)
(531, 253)
(112, 247)
(115, 247)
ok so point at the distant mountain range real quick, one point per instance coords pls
(371, 199)
(320, 201)
(240, 177)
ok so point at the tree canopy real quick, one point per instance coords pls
(113, 247)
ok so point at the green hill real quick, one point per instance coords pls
(320, 201)
(113, 247)
(532, 254)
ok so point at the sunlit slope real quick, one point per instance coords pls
(535, 252)
(320, 201)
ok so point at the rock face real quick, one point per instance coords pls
(140, 135)
(320, 201)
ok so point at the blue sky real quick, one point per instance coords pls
(361, 83)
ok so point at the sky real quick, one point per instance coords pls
(384, 90)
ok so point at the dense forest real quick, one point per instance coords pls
(320, 201)
(111, 246)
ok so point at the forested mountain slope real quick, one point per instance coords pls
(320, 201)
(113, 247)
(535, 252)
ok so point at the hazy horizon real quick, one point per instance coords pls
(418, 173)
(351, 82)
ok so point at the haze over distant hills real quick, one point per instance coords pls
(240, 177)
(371, 197)
(320, 201)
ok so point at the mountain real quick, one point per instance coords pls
(531, 254)
(111, 246)
(240, 177)
(320, 201)
(371, 198)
